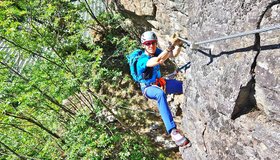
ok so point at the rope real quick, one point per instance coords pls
(173, 74)
(233, 36)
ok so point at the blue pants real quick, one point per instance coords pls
(154, 92)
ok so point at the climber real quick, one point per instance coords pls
(153, 86)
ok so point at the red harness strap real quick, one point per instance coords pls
(161, 83)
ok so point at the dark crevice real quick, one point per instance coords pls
(154, 11)
(257, 47)
(204, 143)
(257, 44)
(246, 101)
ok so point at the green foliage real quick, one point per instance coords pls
(91, 140)
(64, 64)
(116, 41)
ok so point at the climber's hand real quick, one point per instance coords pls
(174, 40)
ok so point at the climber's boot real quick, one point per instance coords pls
(179, 139)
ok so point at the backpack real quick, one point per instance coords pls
(132, 59)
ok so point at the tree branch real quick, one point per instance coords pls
(54, 101)
(11, 150)
(29, 51)
(40, 125)
(93, 16)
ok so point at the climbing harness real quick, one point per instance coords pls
(196, 45)
(161, 83)
(184, 67)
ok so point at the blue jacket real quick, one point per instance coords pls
(148, 74)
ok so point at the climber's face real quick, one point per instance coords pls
(150, 47)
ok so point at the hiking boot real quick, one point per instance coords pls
(179, 139)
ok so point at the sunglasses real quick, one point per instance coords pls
(149, 43)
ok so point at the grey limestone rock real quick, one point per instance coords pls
(231, 98)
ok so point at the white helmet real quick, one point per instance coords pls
(148, 36)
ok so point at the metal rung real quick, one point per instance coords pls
(196, 45)
(240, 34)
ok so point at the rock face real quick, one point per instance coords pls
(231, 107)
